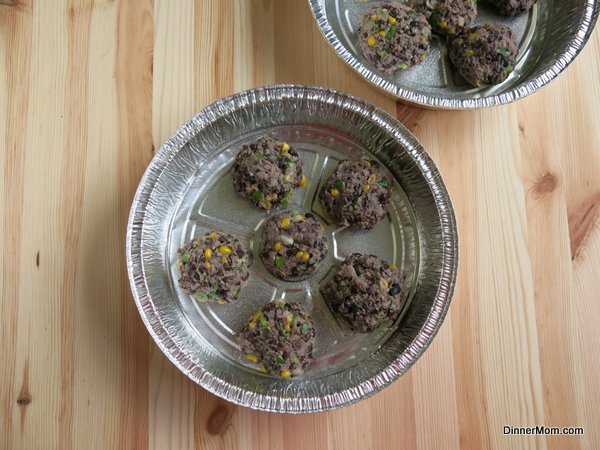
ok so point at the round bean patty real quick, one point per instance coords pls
(366, 291)
(448, 17)
(393, 36)
(293, 245)
(279, 338)
(266, 172)
(357, 193)
(213, 268)
(485, 54)
(512, 7)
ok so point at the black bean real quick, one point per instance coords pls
(395, 289)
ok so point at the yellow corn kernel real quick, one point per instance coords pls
(381, 33)
(383, 284)
(372, 178)
(286, 373)
(473, 36)
(469, 52)
(443, 24)
(257, 315)
(300, 255)
(305, 257)
(302, 181)
(371, 41)
(263, 369)
(285, 222)
(285, 147)
(252, 324)
(393, 266)
(334, 192)
(252, 357)
(391, 20)
(366, 187)
(207, 265)
(224, 260)
(221, 302)
(212, 235)
(287, 328)
(277, 246)
(374, 17)
(224, 250)
(367, 162)
(207, 253)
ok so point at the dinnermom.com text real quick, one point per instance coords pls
(542, 430)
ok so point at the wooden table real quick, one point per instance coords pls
(90, 89)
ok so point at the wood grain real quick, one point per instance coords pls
(90, 89)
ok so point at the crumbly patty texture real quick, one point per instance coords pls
(366, 291)
(213, 268)
(393, 37)
(293, 245)
(485, 54)
(357, 193)
(266, 172)
(512, 7)
(279, 338)
(448, 17)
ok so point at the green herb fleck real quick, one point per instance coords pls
(369, 25)
(201, 297)
(279, 262)
(503, 51)
(256, 196)
(304, 328)
(341, 287)
(435, 19)
(391, 32)
(264, 322)
(185, 257)
(382, 53)
(284, 202)
(384, 182)
(280, 360)
(337, 184)
(402, 65)
(215, 291)
(260, 154)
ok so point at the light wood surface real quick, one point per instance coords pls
(90, 89)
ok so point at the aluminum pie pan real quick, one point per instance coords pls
(550, 36)
(162, 201)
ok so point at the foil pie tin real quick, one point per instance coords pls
(187, 191)
(550, 36)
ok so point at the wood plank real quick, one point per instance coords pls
(15, 50)
(133, 72)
